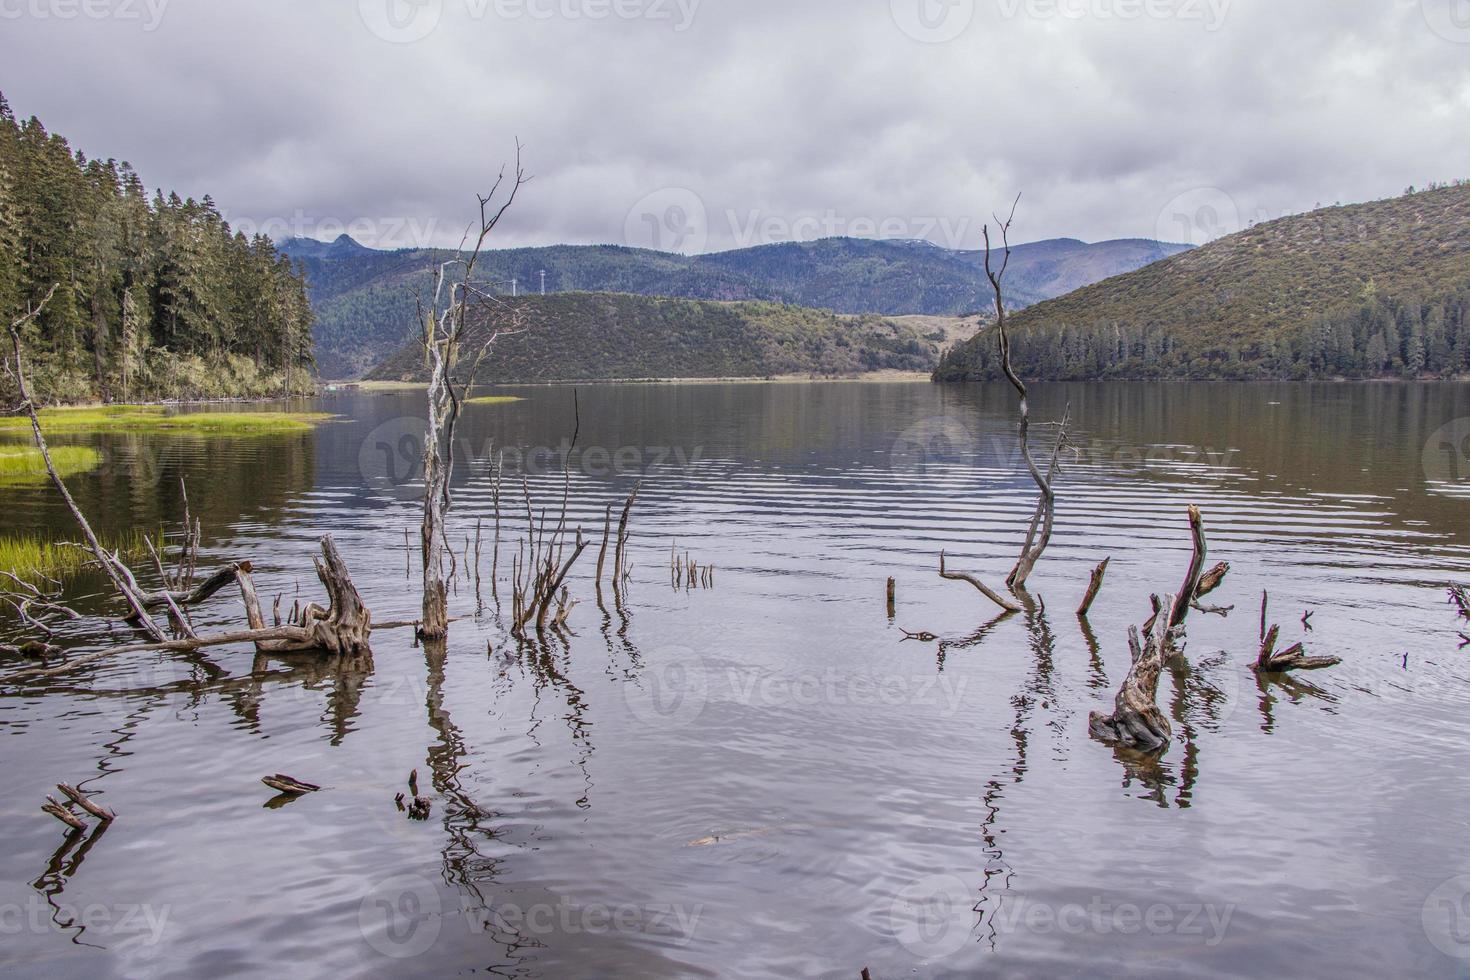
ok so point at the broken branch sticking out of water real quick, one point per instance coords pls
(1294, 657)
(61, 813)
(1093, 587)
(80, 799)
(1009, 605)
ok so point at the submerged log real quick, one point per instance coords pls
(1294, 657)
(287, 784)
(1136, 721)
(61, 813)
(80, 799)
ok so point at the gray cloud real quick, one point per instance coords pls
(771, 118)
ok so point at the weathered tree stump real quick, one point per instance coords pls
(1136, 721)
(343, 628)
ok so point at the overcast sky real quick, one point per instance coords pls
(708, 124)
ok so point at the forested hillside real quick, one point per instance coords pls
(365, 299)
(1363, 291)
(156, 299)
(618, 336)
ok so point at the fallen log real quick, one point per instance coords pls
(204, 590)
(61, 813)
(287, 784)
(80, 799)
(181, 646)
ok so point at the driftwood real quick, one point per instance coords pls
(1294, 657)
(204, 590)
(892, 598)
(1009, 605)
(1093, 587)
(61, 813)
(80, 799)
(286, 784)
(1136, 721)
(342, 628)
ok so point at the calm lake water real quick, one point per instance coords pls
(764, 778)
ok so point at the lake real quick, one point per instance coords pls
(765, 778)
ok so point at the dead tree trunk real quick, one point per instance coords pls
(1039, 535)
(121, 576)
(1136, 721)
(444, 326)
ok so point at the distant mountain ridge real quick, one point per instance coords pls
(364, 299)
(1362, 290)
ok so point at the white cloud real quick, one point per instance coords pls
(788, 112)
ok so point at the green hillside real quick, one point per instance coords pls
(365, 299)
(619, 336)
(1365, 290)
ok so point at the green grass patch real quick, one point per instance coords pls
(24, 464)
(494, 400)
(158, 418)
(35, 558)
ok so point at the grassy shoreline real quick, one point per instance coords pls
(870, 377)
(158, 418)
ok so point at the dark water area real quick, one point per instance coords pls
(765, 778)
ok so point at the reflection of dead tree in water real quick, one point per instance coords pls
(542, 661)
(1039, 691)
(465, 868)
(60, 868)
